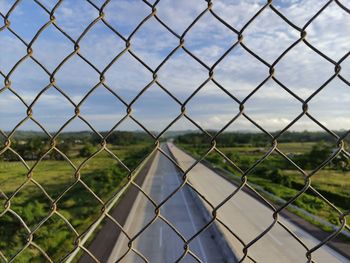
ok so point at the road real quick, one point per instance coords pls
(159, 243)
(247, 217)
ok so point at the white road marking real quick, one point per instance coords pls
(160, 236)
(137, 206)
(275, 239)
(262, 229)
(192, 221)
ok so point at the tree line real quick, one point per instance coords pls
(233, 139)
(33, 145)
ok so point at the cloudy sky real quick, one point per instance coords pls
(302, 70)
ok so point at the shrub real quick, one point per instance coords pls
(87, 150)
(277, 177)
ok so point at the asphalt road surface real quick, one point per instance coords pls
(159, 243)
(247, 217)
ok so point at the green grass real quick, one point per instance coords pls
(102, 174)
(295, 147)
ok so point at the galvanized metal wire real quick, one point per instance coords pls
(274, 148)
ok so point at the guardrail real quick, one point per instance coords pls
(108, 208)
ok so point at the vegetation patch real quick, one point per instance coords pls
(103, 174)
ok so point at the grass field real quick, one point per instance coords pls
(102, 174)
(334, 184)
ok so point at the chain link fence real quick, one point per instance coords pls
(208, 8)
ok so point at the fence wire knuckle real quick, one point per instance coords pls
(30, 54)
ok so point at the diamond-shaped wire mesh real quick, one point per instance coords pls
(124, 46)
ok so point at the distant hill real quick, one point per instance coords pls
(131, 137)
(172, 134)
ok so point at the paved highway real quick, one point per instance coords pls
(247, 217)
(159, 243)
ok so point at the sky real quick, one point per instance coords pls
(302, 70)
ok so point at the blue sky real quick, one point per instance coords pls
(302, 70)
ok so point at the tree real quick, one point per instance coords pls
(319, 153)
(279, 178)
(87, 150)
(341, 162)
(64, 147)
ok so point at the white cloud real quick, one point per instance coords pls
(4, 7)
(302, 70)
(75, 16)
